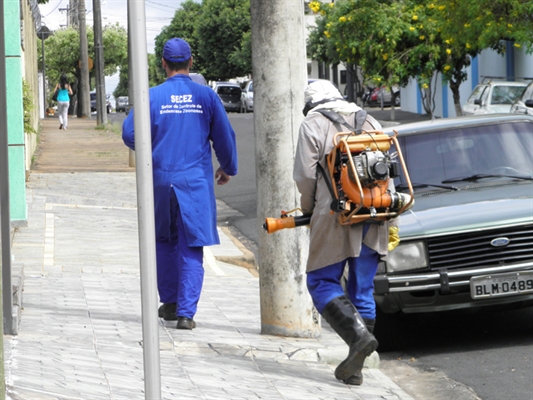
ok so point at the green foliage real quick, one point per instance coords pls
(219, 34)
(62, 52)
(395, 40)
(28, 107)
(123, 82)
(182, 25)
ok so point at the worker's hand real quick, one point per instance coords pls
(394, 237)
(221, 177)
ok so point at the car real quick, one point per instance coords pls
(493, 96)
(198, 78)
(467, 242)
(93, 102)
(122, 104)
(230, 95)
(374, 99)
(524, 105)
(247, 97)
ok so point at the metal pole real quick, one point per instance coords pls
(5, 217)
(279, 70)
(131, 153)
(101, 108)
(145, 199)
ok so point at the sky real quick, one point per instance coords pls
(159, 13)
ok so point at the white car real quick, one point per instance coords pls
(524, 105)
(493, 97)
(247, 97)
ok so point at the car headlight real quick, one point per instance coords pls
(406, 257)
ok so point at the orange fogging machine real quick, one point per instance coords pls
(358, 174)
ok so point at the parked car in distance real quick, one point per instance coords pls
(374, 100)
(247, 97)
(494, 96)
(467, 242)
(198, 78)
(122, 104)
(93, 102)
(524, 105)
(230, 95)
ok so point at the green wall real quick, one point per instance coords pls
(15, 113)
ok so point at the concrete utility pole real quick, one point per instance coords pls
(101, 109)
(74, 20)
(84, 101)
(279, 71)
(43, 33)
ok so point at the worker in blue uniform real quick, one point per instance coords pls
(186, 118)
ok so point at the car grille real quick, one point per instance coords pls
(474, 249)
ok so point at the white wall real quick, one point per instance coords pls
(489, 63)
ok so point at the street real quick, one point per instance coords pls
(489, 352)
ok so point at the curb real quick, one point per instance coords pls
(246, 259)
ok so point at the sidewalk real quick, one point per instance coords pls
(80, 332)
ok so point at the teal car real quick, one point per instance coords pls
(468, 240)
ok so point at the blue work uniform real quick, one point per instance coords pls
(185, 118)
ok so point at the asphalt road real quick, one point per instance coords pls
(456, 355)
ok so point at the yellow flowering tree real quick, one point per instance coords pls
(467, 28)
(388, 40)
(395, 40)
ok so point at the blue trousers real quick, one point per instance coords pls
(180, 271)
(324, 284)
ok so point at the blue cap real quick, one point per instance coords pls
(176, 50)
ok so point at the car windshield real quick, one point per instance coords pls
(476, 94)
(499, 150)
(506, 94)
(229, 90)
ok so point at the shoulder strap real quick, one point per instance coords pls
(359, 119)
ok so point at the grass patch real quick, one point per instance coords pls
(114, 127)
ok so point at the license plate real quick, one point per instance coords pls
(498, 285)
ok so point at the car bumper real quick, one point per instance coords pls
(440, 291)
(232, 106)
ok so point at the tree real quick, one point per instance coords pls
(219, 34)
(182, 26)
(468, 29)
(374, 35)
(394, 41)
(62, 52)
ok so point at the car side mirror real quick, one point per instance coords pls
(529, 103)
(478, 102)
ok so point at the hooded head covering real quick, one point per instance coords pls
(322, 94)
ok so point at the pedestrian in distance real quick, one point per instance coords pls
(64, 92)
(350, 311)
(186, 120)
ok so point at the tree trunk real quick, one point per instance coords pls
(454, 87)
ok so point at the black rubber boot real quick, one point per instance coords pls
(357, 377)
(344, 318)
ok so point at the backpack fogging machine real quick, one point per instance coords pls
(358, 172)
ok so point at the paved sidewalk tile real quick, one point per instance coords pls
(80, 333)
